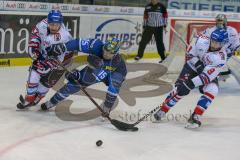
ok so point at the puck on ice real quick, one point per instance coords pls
(99, 143)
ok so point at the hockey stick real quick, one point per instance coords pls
(158, 107)
(118, 124)
(152, 111)
(179, 36)
(147, 115)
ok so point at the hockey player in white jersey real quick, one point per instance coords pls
(205, 60)
(43, 73)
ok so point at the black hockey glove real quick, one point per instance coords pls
(74, 76)
(94, 62)
(185, 87)
(56, 50)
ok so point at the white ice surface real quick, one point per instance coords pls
(34, 135)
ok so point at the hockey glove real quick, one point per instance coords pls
(94, 62)
(56, 50)
(34, 55)
(33, 49)
(185, 87)
(74, 76)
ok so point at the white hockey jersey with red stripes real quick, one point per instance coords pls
(41, 38)
(213, 61)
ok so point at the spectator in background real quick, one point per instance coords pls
(154, 22)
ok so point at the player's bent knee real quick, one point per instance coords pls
(184, 93)
(69, 88)
(212, 88)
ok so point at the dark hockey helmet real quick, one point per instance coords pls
(221, 21)
(55, 16)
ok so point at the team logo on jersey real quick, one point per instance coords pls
(222, 55)
(57, 37)
(110, 68)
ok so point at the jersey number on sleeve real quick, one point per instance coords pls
(210, 71)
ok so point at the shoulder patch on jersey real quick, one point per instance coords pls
(110, 68)
(222, 55)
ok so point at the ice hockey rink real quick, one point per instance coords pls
(32, 134)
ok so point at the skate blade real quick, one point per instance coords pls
(160, 121)
(22, 110)
(156, 121)
(191, 126)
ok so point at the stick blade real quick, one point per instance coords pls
(123, 126)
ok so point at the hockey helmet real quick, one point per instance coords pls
(219, 37)
(112, 45)
(55, 16)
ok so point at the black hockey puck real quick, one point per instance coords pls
(99, 143)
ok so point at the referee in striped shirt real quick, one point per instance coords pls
(154, 22)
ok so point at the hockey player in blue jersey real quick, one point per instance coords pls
(105, 64)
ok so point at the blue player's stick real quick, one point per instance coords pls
(118, 124)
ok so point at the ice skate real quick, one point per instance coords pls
(106, 112)
(193, 122)
(47, 105)
(159, 116)
(23, 104)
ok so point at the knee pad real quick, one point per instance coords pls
(183, 93)
(211, 88)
